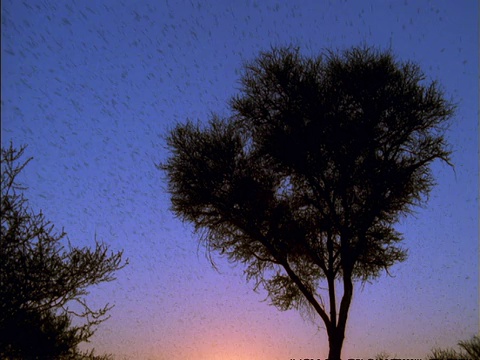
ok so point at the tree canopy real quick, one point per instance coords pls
(43, 280)
(304, 181)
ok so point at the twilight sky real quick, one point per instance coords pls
(92, 87)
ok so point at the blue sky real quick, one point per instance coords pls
(93, 87)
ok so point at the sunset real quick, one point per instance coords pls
(94, 90)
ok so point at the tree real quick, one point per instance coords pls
(305, 180)
(43, 281)
(470, 349)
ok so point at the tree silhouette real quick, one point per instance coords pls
(42, 283)
(304, 182)
(469, 349)
(32, 334)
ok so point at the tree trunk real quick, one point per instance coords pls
(337, 334)
(335, 342)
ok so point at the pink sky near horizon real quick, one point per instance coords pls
(93, 87)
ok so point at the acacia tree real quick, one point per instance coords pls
(43, 281)
(304, 182)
